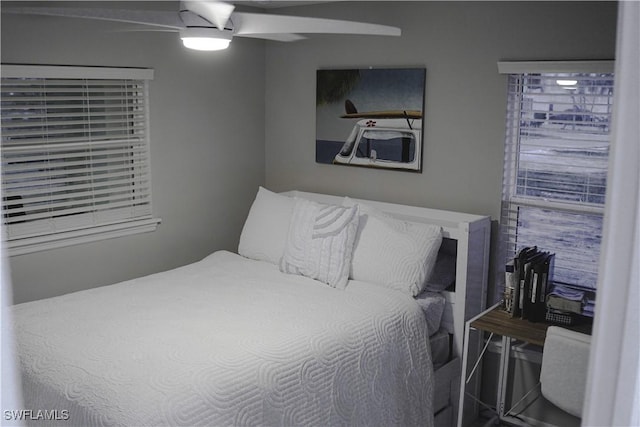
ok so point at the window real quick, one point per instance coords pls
(75, 155)
(556, 159)
(390, 145)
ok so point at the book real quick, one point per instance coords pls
(567, 298)
(518, 280)
(542, 275)
(559, 303)
(509, 281)
(530, 282)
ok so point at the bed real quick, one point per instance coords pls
(310, 323)
(465, 239)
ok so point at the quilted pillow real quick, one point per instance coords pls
(265, 230)
(320, 242)
(394, 253)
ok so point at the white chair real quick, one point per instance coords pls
(565, 360)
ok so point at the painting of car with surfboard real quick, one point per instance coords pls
(382, 136)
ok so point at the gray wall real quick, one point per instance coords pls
(207, 147)
(459, 44)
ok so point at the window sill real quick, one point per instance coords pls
(76, 237)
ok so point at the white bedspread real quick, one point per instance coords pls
(227, 341)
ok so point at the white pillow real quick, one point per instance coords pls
(265, 230)
(320, 242)
(394, 253)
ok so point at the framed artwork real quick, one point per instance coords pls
(370, 117)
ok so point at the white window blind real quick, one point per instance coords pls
(556, 158)
(75, 155)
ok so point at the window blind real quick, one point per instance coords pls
(75, 156)
(556, 159)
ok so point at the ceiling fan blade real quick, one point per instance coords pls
(145, 17)
(216, 12)
(255, 23)
(284, 37)
(145, 29)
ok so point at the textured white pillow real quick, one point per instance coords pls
(320, 242)
(394, 253)
(265, 230)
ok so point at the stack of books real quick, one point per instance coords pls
(528, 282)
(569, 304)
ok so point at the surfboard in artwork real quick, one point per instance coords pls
(351, 112)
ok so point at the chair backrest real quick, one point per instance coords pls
(565, 360)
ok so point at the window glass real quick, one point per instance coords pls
(556, 158)
(396, 146)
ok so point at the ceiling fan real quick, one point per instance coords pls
(210, 25)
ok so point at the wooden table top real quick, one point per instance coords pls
(500, 322)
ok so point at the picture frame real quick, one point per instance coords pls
(371, 117)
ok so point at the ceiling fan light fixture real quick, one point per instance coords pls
(207, 39)
(205, 43)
